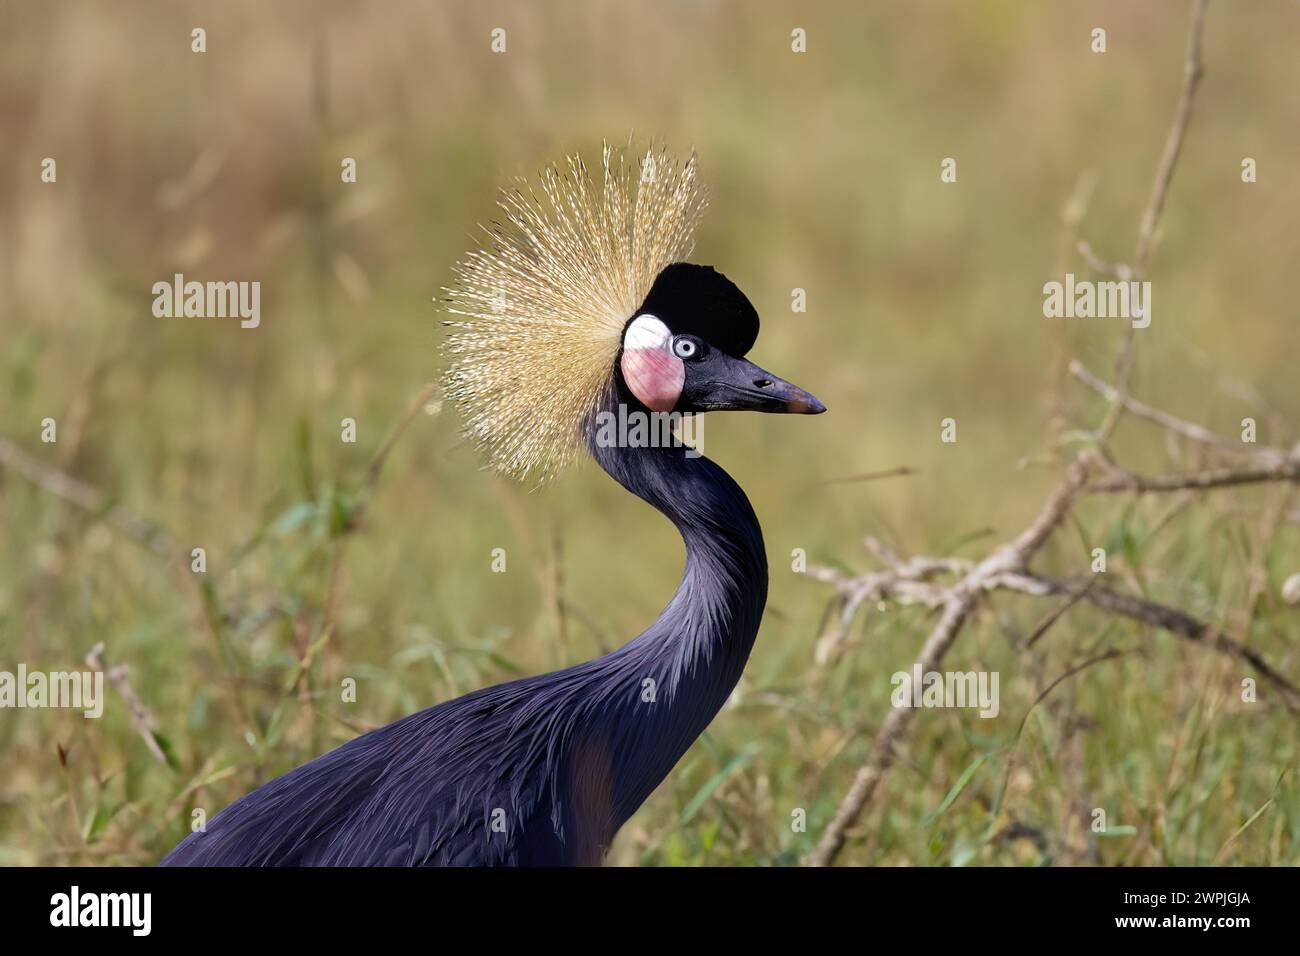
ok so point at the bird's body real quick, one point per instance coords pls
(543, 770)
(580, 309)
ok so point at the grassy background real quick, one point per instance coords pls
(924, 301)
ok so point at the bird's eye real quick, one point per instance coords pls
(687, 347)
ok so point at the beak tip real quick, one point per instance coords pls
(807, 405)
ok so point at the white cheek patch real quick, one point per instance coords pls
(650, 369)
(647, 332)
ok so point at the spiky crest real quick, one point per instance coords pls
(540, 306)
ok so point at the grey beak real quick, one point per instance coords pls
(743, 386)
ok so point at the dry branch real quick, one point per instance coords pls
(87, 497)
(1178, 622)
(1005, 564)
(1288, 470)
(1272, 464)
(913, 581)
(1007, 567)
(141, 719)
(1182, 427)
(1192, 73)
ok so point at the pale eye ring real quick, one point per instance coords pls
(687, 347)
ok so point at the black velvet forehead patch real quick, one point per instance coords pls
(699, 300)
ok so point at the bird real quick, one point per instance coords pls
(577, 304)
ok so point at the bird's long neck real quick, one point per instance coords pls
(679, 672)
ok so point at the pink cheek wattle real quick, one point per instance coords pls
(655, 377)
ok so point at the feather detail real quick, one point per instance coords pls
(540, 307)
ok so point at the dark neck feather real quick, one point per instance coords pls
(695, 650)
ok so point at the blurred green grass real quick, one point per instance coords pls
(924, 302)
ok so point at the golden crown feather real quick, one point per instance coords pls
(540, 306)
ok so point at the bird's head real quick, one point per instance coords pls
(581, 297)
(684, 349)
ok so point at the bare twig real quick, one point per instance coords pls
(334, 588)
(87, 497)
(1004, 564)
(899, 472)
(141, 719)
(1287, 470)
(1182, 427)
(376, 466)
(1056, 614)
(1120, 270)
(1072, 214)
(1007, 567)
(999, 571)
(912, 581)
(1109, 655)
(1273, 464)
(92, 500)
(1181, 623)
(1192, 73)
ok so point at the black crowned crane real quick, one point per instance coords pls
(579, 303)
